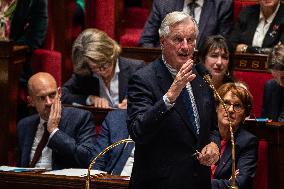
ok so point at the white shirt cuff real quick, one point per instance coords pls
(168, 104)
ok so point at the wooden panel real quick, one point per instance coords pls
(11, 62)
(250, 62)
(11, 180)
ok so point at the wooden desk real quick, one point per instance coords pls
(11, 180)
(11, 61)
(99, 113)
(273, 133)
(250, 62)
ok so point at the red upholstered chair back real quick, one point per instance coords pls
(47, 61)
(255, 82)
(100, 14)
(261, 177)
(239, 4)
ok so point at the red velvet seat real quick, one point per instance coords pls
(135, 18)
(261, 177)
(255, 82)
(47, 61)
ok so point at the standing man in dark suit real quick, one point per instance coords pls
(56, 137)
(213, 17)
(259, 28)
(171, 115)
(119, 160)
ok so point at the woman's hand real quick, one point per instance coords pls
(99, 102)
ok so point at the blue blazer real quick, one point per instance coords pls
(164, 139)
(72, 145)
(78, 88)
(29, 23)
(216, 18)
(245, 28)
(246, 146)
(114, 128)
(273, 95)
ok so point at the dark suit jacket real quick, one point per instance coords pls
(246, 146)
(245, 28)
(72, 145)
(114, 128)
(164, 139)
(271, 103)
(29, 23)
(216, 18)
(78, 88)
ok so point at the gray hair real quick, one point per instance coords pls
(173, 18)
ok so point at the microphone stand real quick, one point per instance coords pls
(207, 78)
(100, 155)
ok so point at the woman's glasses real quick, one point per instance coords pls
(236, 107)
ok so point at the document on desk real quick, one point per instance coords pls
(20, 169)
(73, 172)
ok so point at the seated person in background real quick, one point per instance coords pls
(239, 103)
(273, 95)
(213, 17)
(259, 27)
(100, 75)
(56, 137)
(28, 27)
(119, 160)
(214, 54)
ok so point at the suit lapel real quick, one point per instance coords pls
(122, 80)
(226, 158)
(270, 38)
(28, 143)
(165, 80)
(252, 25)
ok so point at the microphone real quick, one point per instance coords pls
(204, 73)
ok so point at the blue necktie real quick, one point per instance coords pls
(189, 109)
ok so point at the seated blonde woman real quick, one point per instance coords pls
(238, 101)
(100, 75)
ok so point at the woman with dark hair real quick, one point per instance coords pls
(238, 101)
(215, 55)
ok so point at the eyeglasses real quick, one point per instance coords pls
(236, 107)
(102, 67)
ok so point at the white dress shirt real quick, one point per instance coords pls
(111, 95)
(45, 161)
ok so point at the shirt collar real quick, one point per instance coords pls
(169, 67)
(198, 2)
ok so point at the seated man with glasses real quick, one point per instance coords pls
(100, 76)
(238, 101)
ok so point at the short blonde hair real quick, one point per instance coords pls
(95, 45)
